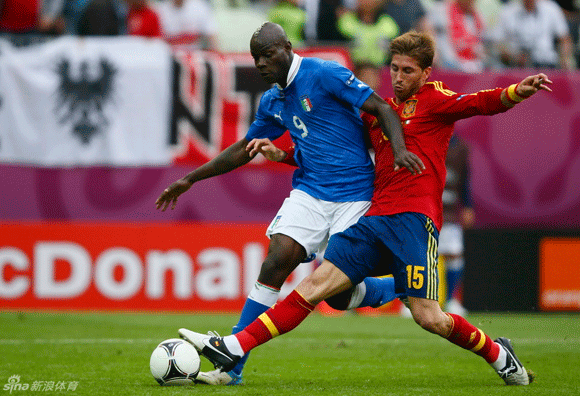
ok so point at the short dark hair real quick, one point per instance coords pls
(419, 46)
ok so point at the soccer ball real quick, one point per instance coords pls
(174, 362)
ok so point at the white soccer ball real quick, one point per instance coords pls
(174, 362)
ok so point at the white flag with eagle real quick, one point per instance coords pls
(86, 102)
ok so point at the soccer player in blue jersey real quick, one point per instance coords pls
(318, 102)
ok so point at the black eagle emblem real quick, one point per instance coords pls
(81, 100)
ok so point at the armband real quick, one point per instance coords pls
(512, 95)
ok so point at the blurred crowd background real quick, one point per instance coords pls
(472, 35)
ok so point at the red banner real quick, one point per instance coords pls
(107, 266)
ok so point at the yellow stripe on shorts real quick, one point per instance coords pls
(432, 284)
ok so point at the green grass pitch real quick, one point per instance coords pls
(108, 354)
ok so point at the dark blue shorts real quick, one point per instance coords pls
(403, 244)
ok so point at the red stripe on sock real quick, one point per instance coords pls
(467, 336)
(284, 316)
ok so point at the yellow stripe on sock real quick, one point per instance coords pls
(481, 342)
(269, 325)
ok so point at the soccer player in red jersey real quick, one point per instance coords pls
(401, 227)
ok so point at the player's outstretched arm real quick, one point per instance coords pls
(231, 158)
(267, 149)
(391, 126)
(530, 85)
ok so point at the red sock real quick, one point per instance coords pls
(280, 319)
(467, 336)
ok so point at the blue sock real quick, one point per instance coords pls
(379, 292)
(453, 278)
(251, 311)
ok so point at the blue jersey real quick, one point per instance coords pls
(319, 107)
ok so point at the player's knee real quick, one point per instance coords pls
(270, 265)
(277, 266)
(284, 248)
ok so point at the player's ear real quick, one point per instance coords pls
(427, 72)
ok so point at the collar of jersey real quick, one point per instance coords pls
(296, 61)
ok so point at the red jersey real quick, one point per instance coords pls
(428, 118)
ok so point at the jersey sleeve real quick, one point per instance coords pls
(455, 106)
(342, 83)
(265, 124)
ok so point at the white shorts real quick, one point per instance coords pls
(311, 221)
(451, 240)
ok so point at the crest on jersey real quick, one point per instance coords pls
(306, 103)
(409, 109)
